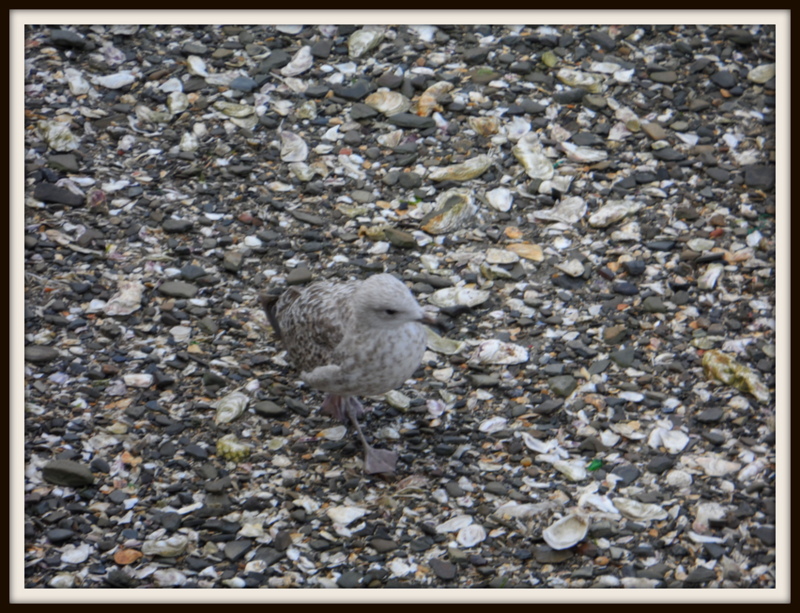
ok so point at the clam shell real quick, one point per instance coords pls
(485, 126)
(452, 209)
(148, 115)
(429, 99)
(365, 39)
(530, 154)
(612, 212)
(293, 147)
(454, 524)
(388, 102)
(566, 532)
(464, 171)
(302, 61)
(499, 352)
(471, 535)
(453, 296)
(639, 511)
(127, 299)
(500, 199)
(345, 515)
(230, 407)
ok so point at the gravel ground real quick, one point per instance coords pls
(590, 211)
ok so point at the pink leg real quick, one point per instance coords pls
(340, 407)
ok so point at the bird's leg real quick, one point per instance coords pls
(340, 407)
(375, 460)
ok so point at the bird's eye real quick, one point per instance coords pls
(390, 312)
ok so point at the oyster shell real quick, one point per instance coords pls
(639, 511)
(365, 39)
(388, 102)
(577, 78)
(583, 155)
(485, 126)
(500, 199)
(530, 154)
(302, 61)
(230, 448)
(472, 168)
(566, 532)
(612, 212)
(499, 352)
(454, 524)
(464, 296)
(116, 80)
(127, 299)
(230, 407)
(710, 277)
(453, 208)
(429, 99)
(529, 251)
(166, 548)
(58, 135)
(345, 515)
(231, 109)
(293, 147)
(471, 535)
(721, 366)
(443, 345)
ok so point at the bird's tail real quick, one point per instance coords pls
(269, 302)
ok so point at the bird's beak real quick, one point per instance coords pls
(429, 319)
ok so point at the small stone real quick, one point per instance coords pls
(444, 570)
(562, 385)
(47, 192)
(178, 289)
(67, 472)
(39, 354)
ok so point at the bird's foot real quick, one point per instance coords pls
(341, 407)
(375, 460)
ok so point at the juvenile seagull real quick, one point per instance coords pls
(358, 338)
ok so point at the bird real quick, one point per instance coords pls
(352, 338)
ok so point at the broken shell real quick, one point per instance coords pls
(464, 171)
(196, 66)
(127, 299)
(230, 407)
(388, 102)
(573, 268)
(674, 440)
(500, 199)
(576, 78)
(177, 102)
(148, 115)
(452, 209)
(572, 469)
(717, 467)
(517, 128)
(336, 433)
(485, 126)
(566, 532)
(117, 80)
(639, 511)
(397, 399)
(77, 83)
(231, 448)
(612, 212)
(345, 515)
(493, 424)
(501, 256)
(569, 210)
(365, 39)
(459, 522)
(441, 344)
(601, 503)
(710, 277)
(530, 154)
(529, 251)
(429, 99)
(231, 109)
(76, 555)
(142, 380)
(301, 62)
(583, 155)
(499, 352)
(471, 535)
(293, 147)
(463, 296)
(721, 366)
(58, 136)
(166, 548)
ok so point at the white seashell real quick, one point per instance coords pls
(453, 208)
(441, 344)
(493, 424)
(127, 299)
(335, 433)
(572, 469)
(568, 210)
(566, 532)
(142, 380)
(499, 352)
(631, 396)
(345, 515)
(167, 548)
(189, 142)
(177, 102)
(517, 128)
(77, 83)
(76, 555)
(391, 139)
(609, 438)
(365, 39)
(501, 256)
(397, 399)
(471, 535)
(534, 444)
(429, 99)
(679, 478)
(751, 470)
(577, 78)
(452, 296)
(717, 467)
(230, 407)
(308, 504)
(169, 577)
(231, 109)
(573, 267)
(58, 135)
(196, 66)
(674, 440)
(472, 168)
(425, 33)
(62, 581)
(601, 503)
(639, 511)
(513, 509)
(612, 212)
(706, 511)
(302, 61)
(400, 568)
(171, 85)
(530, 154)
(288, 29)
(628, 431)
(181, 333)
(293, 147)
(710, 277)
(388, 102)
(116, 80)
(500, 199)
(761, 74)
(584, 155)
(148, 115)
(454, 524)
